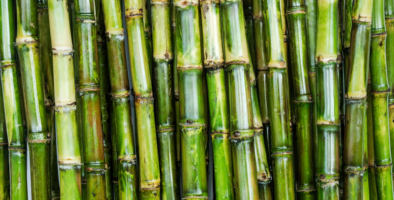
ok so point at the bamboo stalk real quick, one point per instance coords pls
(142, 86)
(356, 94)
(4, 167)
(89, 92)
(371, 155)
(380, 89)
(126, 156)
(238, 67)
(327, 104)
(217, 94)
(191, 102)
(166, 128)
(366, 178)
(65, 105)
(12, 105)
(296, 13)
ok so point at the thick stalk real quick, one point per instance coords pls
(389, 19)
(142, 86)
(380, 90)
(217, 94)
(166, 128)
(238, 66)
(121, 112)
(89, 92)
(4, 168)
(296, 17)
(328, 122)
(12, 105)
(65, 104)
(191, 102)
(279, 106)
(356, 94)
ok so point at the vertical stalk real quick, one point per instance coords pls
(279, 108)
(65, 104)
(191, 102)
(380, 90)
(366, 178)
(89, 92)
(371, 155)
(126, 156)
(142, 86)
(238, 66)
(4, 167)
(327, 117)
(296, 13)
(12, 104)
(166, 128)
(217, 94)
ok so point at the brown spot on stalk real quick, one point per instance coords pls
(166, 55)
(381, 43)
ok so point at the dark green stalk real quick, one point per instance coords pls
(217, 94)
(121, 112)
(328, 122)
(146, 11)
(191, 102)
(371, 155)
(144, 105)
(166, 128)
(356, 94)
(380, 90)
(296, 13)
(4, 167)
(366, 178)
(238, 66)
(12, 104)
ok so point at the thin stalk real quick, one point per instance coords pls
(142, 86)
(146, 12)
(380, 90)
(389, 20)
(191, 101)
(217, 94)
(279, 104)
(65, 103)
(166, 128)
(366, 178)
(89, 92)
(4, 167)
(12, 104)
(371, 155)
(296, 17)
(121, 112)
(46, 62)
(328, 122)
(238, 66)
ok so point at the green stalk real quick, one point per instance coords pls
(328, 122)
(142, 86)
(279, 104)
(4, 170)
(121, 101)
(89, 92)
(65, 104)
(380, 90)
(12, 104)
(356, 94)
(217, 94)
(191, 101)
(371, 155)
(104, 100)
(366, 178)
(166, 129)
(296, 13)
(389, 19)
(46, 62)
(238, 66)
(146, 12)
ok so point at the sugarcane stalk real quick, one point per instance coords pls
(296, 17)
(356, 94)
(389, 20)
(328, 122)
(12, 105)
(89, 92)
(4, 167)
(217, 98)
(69, 155)
(191, 102)
(166, 129)
(366, 178)
(238, 66)
(279, 104)
(142, 86)
(380, 90)
(121, 113)
(371, 155)
(45, 47)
